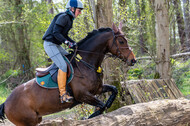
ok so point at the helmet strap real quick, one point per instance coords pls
(74, 10)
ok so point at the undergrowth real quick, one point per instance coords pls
(180, 70)
(4, 93)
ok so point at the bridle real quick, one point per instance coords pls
(117, 55)
(118, 49)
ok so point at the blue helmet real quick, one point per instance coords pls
(75, 4)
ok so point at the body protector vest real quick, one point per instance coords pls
(58, 30)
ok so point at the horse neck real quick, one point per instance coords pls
(96, 48)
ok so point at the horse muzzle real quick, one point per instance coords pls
(133, 61)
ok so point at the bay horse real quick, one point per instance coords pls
(29, 102)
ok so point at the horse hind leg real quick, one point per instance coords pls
(2, 116)
(24, 118)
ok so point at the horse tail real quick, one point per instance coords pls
(2, 112)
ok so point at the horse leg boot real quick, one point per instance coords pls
(113, 89)
(61, 78)
(89, 98)
(106, 88)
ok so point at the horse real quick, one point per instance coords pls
(29, 102)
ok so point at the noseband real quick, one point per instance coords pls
(118, 49)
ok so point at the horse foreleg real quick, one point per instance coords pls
(113, 89)
(106, 88)
(92, 100)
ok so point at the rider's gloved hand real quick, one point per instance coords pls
(72, 45)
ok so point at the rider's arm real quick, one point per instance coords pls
(58, 28)
(69, 39)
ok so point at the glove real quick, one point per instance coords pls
(71, 44)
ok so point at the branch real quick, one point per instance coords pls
(11, 22)
(175, 56)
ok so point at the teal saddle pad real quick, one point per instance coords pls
(47, 82)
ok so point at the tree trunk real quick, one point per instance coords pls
(187, 23)
(104, 13)
(162, 39)
(51, 9)
(93, 10)
(180, 23)
(141, 38)
(155, 113)
(104, 18)
(23, 46)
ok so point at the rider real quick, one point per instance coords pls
(56, 34)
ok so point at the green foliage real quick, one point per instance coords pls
(142, 70)
(181, 74)
(4, 92)
(11, 72)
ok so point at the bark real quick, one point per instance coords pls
(141, 38)
(104, 13)
(51, 9)
(22, 46)
(162, 36)
(180, 23)
(104, 18)
(93, 10)
(187, 23)
(156, 113)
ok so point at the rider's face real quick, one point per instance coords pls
(77, 12)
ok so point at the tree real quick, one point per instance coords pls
(104, 13)
(140, 23)
(51, 11)
(180, 23)
(187, 22)
(160, 112)
(23, 43)
(162, 38)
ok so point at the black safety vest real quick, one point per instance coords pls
(57, 31)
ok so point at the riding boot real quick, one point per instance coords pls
(61, 78)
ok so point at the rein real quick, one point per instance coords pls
(110, 55)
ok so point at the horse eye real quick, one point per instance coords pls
(121, 42)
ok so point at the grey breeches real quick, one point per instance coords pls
(56, 52)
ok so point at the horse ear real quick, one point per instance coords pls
(115, 29)
(120, 25)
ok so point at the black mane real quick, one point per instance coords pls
(93, 33)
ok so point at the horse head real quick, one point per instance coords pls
(119, 46)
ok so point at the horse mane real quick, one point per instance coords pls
(94, 33)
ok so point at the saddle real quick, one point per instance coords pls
(52, 70)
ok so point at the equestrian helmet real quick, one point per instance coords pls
(75, 4)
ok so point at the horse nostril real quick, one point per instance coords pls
(133, 61)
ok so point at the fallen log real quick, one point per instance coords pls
(155, 113)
